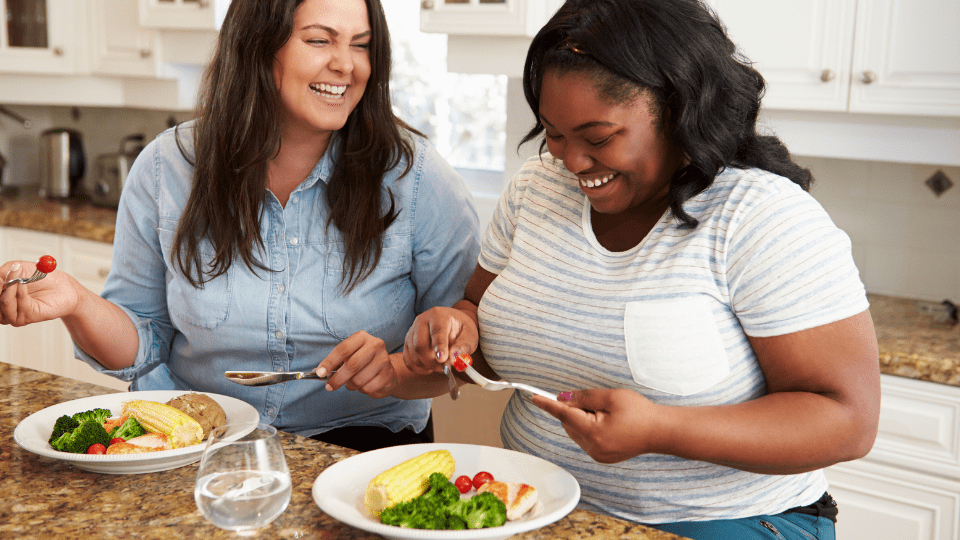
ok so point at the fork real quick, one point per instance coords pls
(488, 384)
(37, 276)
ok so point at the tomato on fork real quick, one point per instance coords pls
(46, 264)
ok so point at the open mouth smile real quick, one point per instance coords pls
(597, 182)
(328, 90)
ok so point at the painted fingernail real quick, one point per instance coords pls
(439, 355)
(564, 396)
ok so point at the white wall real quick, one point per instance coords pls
(906, 240)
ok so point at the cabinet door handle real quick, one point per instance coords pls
(827, 75)
(868, 77)
(427, 4)
(103, 273)
(58, 51)
(145, 53)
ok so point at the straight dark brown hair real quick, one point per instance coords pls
(237, 132)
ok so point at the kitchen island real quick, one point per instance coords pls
(46, 498)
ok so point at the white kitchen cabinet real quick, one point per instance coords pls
(119, 45)
(41, 37)
(908, 487)
(859, 56)
(47, 346)
(183, 14)
(486, 17)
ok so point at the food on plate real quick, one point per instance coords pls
(463, 483)
(517, 497)
(442, 508)
(150, 442)
(75, 434)
(160, 418)
(97, 448)
(202, 408)
(481, 478)
(46, 264)
(407, 480)
(125, 427)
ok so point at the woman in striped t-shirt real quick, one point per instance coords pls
(664, 269)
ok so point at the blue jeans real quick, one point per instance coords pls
(786, 526)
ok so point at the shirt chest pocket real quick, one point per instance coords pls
(674, 346)
(206, 307)
(378, 302)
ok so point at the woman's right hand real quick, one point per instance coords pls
(435, 336)
(52, 297)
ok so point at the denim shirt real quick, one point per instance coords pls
(290, 318)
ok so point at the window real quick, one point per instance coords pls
(463, 115)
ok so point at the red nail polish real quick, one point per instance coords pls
(564, 396)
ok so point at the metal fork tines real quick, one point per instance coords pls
(488, 384)
(37, 276)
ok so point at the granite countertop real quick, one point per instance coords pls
(911, 343)
(46, 498)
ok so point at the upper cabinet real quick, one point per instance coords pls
(860, 56)
(486, 17)
(39, 36)
(183, 14)
(120, 46)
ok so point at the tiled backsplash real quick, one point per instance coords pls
(906, 239)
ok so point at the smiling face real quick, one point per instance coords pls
(623, 160)
(322, 70)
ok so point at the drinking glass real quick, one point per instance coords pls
(242, 484)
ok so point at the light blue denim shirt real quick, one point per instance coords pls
(291, 318)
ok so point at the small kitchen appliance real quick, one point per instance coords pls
(110, 171)
(62, 163)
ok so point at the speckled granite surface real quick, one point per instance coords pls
(45, 498)
(911, 344)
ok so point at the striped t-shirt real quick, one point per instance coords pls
(668, 319)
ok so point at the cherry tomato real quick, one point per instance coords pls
(461, 361)
(463, 483)
(97, 449)
(482, 478)
(116, 440)
(46, 264)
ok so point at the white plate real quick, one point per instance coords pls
(338, 490)
(33, 433)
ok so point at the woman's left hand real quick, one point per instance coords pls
(611, 425)
(362, 363)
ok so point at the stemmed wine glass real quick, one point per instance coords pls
(243, 483)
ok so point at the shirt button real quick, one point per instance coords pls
(279, 334)
(281, 288)
(271, 411)
(294, 241)
(293, 200)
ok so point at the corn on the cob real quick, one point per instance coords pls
(407, 480)
(159, 418)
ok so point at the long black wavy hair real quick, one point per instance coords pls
(704, 93)
(238, 132)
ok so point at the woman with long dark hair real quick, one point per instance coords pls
(295, 225)
(663, 269)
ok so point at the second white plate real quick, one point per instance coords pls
(33, 433)
(338, 490)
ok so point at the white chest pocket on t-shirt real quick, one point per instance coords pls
(674, 346)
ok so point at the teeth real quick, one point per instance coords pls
(597, 182)
(329, 89)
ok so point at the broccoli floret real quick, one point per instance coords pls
(482, 510)
(98, 415)
(128, 430)
(442, 491)
(64, 424)
(442, 508)
(78, 440)
(418, 513)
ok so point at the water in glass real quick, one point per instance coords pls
(243, 484)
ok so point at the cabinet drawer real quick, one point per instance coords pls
(919, 426)
(88, 261)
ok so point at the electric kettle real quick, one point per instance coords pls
(62, 163)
